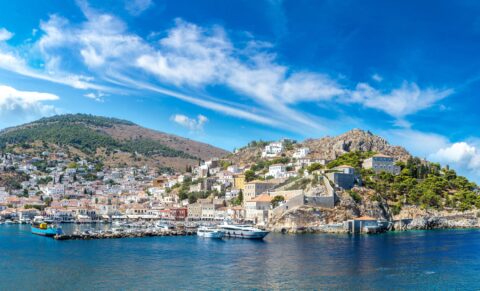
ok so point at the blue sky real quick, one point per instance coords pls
(227, 72)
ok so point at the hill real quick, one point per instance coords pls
(327, 148)
(420, 188)
(115, 141)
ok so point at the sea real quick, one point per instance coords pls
(412, 260)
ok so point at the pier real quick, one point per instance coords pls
(122, 234)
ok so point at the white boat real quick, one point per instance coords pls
(242, 231)
(204, 231)
(164, 226)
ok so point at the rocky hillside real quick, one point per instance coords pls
(330, 148)
(113, 140)
(424, 192)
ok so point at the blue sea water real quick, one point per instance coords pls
(420, 260)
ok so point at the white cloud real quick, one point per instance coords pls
(137, 7)
(189, 59)
(309, 87)
(100, 40)
(400, 102)
(190, 123)
(16, 64)
(5, 34)
(96, 96)
(197, 57)
(461, 156)
(418, 143)
(22, 106)
(464, 157)
(377, 78)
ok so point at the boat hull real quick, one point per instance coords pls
(218, 234)
(46, 232)
(246, 234)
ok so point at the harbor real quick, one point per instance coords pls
(140, 229)
(122, 233)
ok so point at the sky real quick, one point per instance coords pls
(228, 72)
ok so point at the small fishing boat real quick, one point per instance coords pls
(204, 231)
(45, 229)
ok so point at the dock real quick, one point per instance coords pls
(117, 235)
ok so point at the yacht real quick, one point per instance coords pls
(242, 231)
(204, 231)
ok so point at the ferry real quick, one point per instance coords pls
(45, 229)
(209, 232)
(242, 231)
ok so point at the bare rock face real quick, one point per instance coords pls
(318, 219)
(414, 217)
(354, 140)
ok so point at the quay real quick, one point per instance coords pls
(115, 235)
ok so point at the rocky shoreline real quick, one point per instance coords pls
(317, 220)
(419, 223)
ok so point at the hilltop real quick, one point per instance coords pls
(115, 141)
(327, 148)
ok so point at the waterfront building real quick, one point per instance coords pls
(256, 209)
(255, 188)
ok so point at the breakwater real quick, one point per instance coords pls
(122, 234)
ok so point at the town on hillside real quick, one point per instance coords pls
(283, 176)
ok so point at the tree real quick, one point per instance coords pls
(239, 199)
(249, 175)
(313, 167)
(276, 200)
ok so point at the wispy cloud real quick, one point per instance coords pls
(21, 106)
(398, 102)
(14, 63)
(137, 7)
(190, 59)
(96, 96)
(5, 34)
(193, 124)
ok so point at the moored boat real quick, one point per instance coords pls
(209, 232)
(242, 231)
(45, 229)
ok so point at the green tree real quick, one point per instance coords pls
(250, 175)
(276, 200)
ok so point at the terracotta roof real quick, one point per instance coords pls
(364, 218)
(262, 198)
(381, 156)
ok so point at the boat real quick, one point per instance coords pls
(164, 226)
(210, 232)
(242, 231)
(45, 229)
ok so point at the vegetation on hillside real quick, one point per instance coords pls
(72, 130)
(353, 159)
(419, 183)
(88, 119)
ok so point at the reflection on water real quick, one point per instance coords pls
(409, 260)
